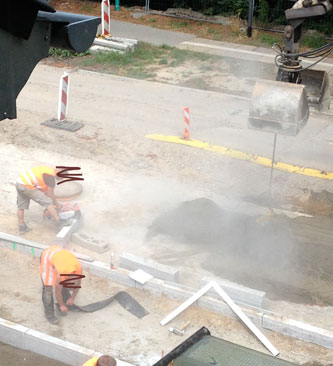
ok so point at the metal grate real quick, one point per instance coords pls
(217, 352)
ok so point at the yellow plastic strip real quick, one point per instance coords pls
(222, 150)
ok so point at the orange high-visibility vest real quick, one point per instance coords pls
(55, 261)
(33, 178)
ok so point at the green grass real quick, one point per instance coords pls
(163, 61)
(313, 41)
(139, 73)
(269, 39)
(177, 24)
(144, 54)
(60, 53)
(180, 56)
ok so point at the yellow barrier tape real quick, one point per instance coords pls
(245, 156)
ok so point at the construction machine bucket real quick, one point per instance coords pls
(278, 107)
(317, 87)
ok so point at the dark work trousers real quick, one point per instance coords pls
(48, 302)
(47, 298)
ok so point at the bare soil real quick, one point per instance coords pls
(11, 356)
(129, 182)
(115, 331)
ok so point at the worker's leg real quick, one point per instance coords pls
(20, 216)
(48, 302)
(23, 202)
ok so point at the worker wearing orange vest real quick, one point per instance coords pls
(101, 361)
(37, 184)
(54, 263)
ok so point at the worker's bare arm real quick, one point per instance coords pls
(58, 294)
(71, 300)
(50, 193)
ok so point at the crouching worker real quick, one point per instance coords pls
(101, 361)
(37, 184)
(55, 262)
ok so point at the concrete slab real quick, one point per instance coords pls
(132, 262)
(56, 348)
(298, 330)
(12, 333)
(238, 293)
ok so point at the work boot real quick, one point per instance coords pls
(53, 320)
(23, 228)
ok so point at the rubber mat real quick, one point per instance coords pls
(65, 125)
(124, 299)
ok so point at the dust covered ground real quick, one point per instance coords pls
(131, 182)
(11, 356)
(115, 331)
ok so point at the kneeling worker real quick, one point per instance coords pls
(37, 184)
(54, 262)
(101, 361)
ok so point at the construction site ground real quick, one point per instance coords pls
(135, 192)
(115, 331)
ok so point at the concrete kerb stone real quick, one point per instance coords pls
(238, 293)
(298, 330)
(64, 235)
(26, 249)
(56, 348)
(26, 246)
(12, 333)
(178, 292)
(161, 271)
(24, 338)
(118, 45)
(272, 322)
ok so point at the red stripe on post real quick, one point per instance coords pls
(64, 97)
(186, 113)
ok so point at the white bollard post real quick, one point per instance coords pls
(106, 26)
(63, 97)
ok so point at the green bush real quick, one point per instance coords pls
(263, 11)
